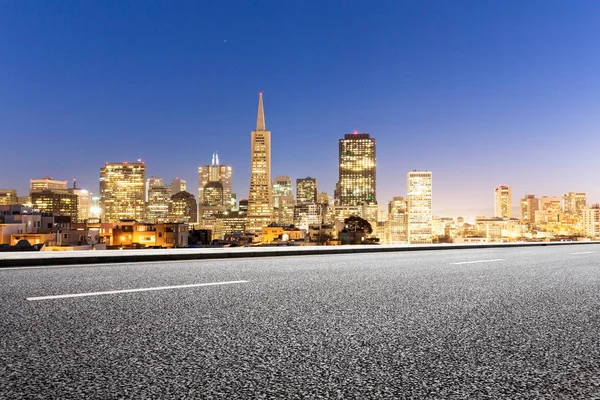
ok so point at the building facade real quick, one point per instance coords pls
(211, 173)
(183, 208)
(260, 199)
(357, 170)
(574, 203)
(122, 191)
(528, 206)
(57, 202)
(503, 202)
(46, 183)
(306, 190)
(420, 212)
(159, 201)
(397, 221)
(282, 186)
(8, 196)
(591, 221)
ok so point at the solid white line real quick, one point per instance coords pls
(583, 252)
(478, 261)
(64, 296)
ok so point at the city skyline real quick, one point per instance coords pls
(478, 108)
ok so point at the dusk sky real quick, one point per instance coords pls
(480, 92)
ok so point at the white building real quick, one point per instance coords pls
(591, 221)
(419, 196)
(503, 202)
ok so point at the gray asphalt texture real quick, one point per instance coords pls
(391, 325)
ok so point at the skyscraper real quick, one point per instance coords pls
(83, 201)
(306, 190)
(183, 208)
(574, 203)
(356, 183)
(419, 196)
(178, 185)
(502, 202)
(158, 202)
(529, 205)
(282, 186)
(56, 202)
(214, 173)
(397, 220)
(8, 196)
(260, 199)
(47, 183)
(122, 191)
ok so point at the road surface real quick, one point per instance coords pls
(488, 324)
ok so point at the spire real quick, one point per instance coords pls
(260, 119)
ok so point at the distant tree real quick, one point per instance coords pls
(357, 224)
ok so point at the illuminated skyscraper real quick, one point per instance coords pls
(56, 202)
(183, 208)
(306, 190)
(356, 183)
(215, 173)
(419, 196)
(178, 185)
(8, 196)
(83, 201)
(397, 220)
(122, 191)
(282, 186)
(46, 183)
(283, 201)
(158, 203)
(528, 206)
(260, 199)
(502, 202)
(574, 203)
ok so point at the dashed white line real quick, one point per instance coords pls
(64, 296)
(478, 261)
(583, 252)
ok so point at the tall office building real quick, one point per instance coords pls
(282, 186)
(46, 183)
(8, 196)
(178, 185)
(158, 202)
(153, 181)
(83, 201)
(58, 202)
(218, 176)
(502, 202)
(183, 208)
(574, 203)
(591, 221)
(306, 190)
(357, 162)
(549, 210)
(420, 212)
(529, 205)
(122, 191)
(260, 199)
(397, 220)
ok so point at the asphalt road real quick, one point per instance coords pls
(514, 323)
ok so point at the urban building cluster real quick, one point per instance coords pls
(133, 210)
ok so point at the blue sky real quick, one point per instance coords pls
(480, 92)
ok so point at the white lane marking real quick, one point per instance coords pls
(478, 261)
(583, 252)
(64, 296)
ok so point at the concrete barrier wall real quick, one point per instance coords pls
(25, 259)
